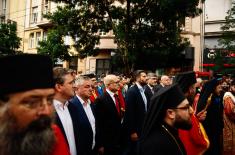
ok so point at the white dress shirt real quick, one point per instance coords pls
(141, 89)
(90, 116)
(65, 118)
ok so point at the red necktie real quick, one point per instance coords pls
(117, 103)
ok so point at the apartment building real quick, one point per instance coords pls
(215, 13)
(36, 28)
(13, 11)
(33, 27)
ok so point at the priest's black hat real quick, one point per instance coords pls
(166, 98)
(25, 72)
(185, 80)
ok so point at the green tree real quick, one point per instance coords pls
(227, 40)
(9, 41)
(54, 46)
(142, 28)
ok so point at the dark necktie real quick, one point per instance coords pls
(117, 103)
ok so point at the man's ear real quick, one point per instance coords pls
(58, 87)
(170, 113)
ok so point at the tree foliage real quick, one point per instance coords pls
(142, 28)
(9, 42)
(54, 46)
(227, 40)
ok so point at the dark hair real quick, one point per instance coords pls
(137, 73)
(59, 73)
(232, 83)
(4, 98)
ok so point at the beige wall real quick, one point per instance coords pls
(193, 31)
(15, 11)
(88, 65)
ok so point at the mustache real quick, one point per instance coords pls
(40, 124)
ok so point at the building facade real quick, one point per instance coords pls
(214, 14)
(202, 31)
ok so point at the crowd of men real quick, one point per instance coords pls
(46, 110)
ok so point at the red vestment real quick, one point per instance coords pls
(194, 141)
(61, 147)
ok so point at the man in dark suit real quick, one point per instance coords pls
(136, 108)
(164, 81)
(108, 116)
(82, 108)
(151, 82)
(65, 119)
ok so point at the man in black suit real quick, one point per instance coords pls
(136, 108)
(151, 82)
(164, 81)
(108, 117)
(84, 112)
(65, 119)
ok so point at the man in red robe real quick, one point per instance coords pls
(194, 141)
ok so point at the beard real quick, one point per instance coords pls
(37, 139)
(182, 123)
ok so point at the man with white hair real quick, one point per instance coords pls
(164, 81)
(84, 113)
(108, 117)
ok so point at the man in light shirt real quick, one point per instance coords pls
(84, 115)
(65, 117)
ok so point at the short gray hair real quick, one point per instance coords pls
(80, 80)
(109, 79)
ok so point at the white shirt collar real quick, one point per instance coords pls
(59, 104)
(139, 86)
(110, 93)
(82, 101)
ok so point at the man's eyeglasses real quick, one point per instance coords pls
(186, 107)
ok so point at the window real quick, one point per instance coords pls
(4, 7)
(44, 35)
(45, 8)
(31, 40)
(38, 38)
(34, 16)
(2, 19)
(102, 66)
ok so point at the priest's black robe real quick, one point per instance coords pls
(162, 140)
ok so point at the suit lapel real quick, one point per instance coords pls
(112, 105)
(59, 123)
(140, 96)
(83, 117)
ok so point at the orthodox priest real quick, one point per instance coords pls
(169, 111)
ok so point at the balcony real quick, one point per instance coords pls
(45, 25)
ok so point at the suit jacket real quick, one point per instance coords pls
(135, 111)
(108, 122)
(82, 133)
(84, 129)
(148, 92)
(73, 115)
(157, 88)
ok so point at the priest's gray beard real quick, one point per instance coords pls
(37, 139)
